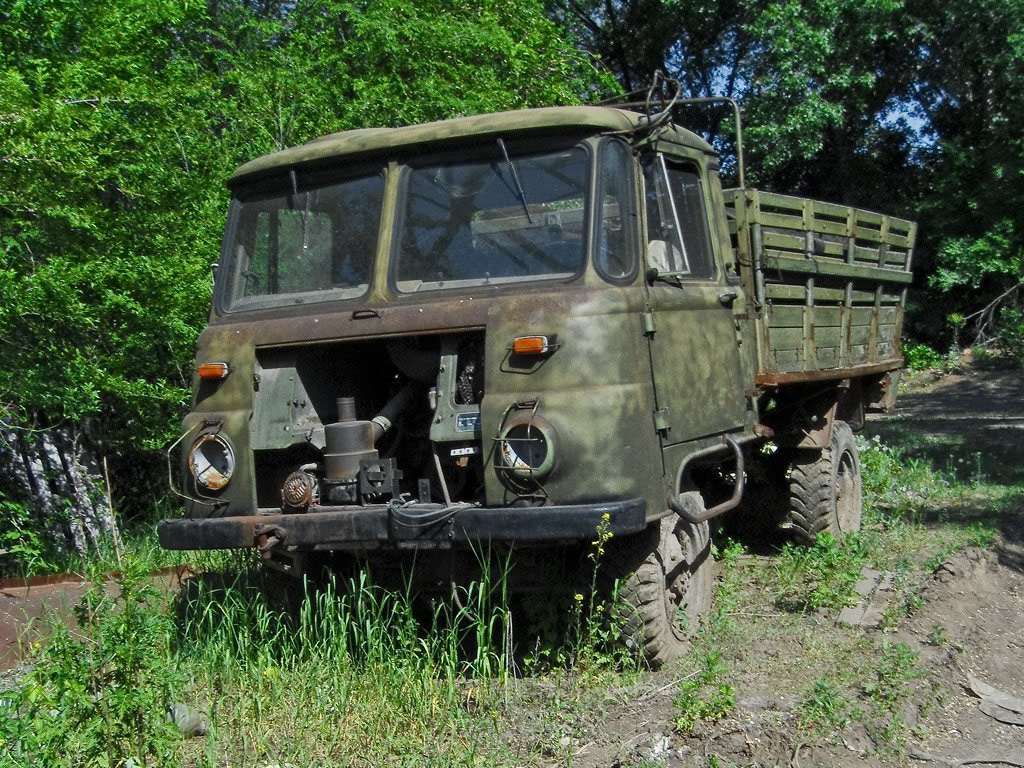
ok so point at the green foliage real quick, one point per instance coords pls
(975, 230)
(101, 278)
(704, 696)
(819, 576)
(278, 666)
(890, 688)
(100, 695)
(1009, 333)
(121, 121)
(402, 57)
(801, 52)
(727, 594)
(583, 634)
(826, 708)
(837, 95)
(968, 262)
(921, 357)
(24, 549)
(975, 535)
(344, 652)
(598, 628)
(890, 477)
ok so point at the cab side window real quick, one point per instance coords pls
(679, 237)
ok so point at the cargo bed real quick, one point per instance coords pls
(829, 285)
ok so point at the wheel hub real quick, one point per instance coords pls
(678, 554)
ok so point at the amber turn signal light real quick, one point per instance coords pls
(531, 345)
(213, 371)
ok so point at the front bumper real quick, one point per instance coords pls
(429, 526)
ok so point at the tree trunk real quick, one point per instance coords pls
(57, 475)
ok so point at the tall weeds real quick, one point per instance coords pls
(334, 673)
(98, 694)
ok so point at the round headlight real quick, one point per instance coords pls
(211, 461)
(527, 452)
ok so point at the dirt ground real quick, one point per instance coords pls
(969, 626)
(976, 599)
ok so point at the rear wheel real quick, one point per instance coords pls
(825, 488)
(665, 586)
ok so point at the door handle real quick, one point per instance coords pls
(726, 299)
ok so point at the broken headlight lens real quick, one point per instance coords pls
(211, 461)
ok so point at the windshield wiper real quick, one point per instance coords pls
(515, 178)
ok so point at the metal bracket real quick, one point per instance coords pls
(379, 477)
(661, 420)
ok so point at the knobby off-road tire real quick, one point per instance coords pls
(825, 488)
(665, 584)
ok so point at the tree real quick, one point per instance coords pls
(821, 82)
(906, 106)
(120, 122)
(101, 188)
(971, 93)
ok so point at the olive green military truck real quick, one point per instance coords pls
(513, 330)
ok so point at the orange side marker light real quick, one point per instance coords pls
(213, 371)
(531, 345)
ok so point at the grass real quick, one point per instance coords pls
(351, 679)
(821, 576)
(773, 633)
(358, 675)
(826, 708)
(351, 674)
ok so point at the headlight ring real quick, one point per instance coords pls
(211, 460)
(527, 450)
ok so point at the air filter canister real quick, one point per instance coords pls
(349, 441)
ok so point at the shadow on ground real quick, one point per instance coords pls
(968, 426)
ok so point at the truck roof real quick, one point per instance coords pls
(578, 119)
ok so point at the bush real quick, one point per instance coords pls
(921, 357)
(1010, 335)
(99, 695)
(24, 548)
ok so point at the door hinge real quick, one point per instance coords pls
(648, 318)
(661, 422)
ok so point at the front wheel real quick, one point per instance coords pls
(825, 488)
(665, 584)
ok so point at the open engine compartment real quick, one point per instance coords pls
(353, 423)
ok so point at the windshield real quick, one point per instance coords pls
(308, 244)
(495, 220)
(503, 216)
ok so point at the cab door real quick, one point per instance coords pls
(696, 360)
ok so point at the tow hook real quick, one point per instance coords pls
(267, 537)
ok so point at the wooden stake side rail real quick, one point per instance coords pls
(829, 284)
